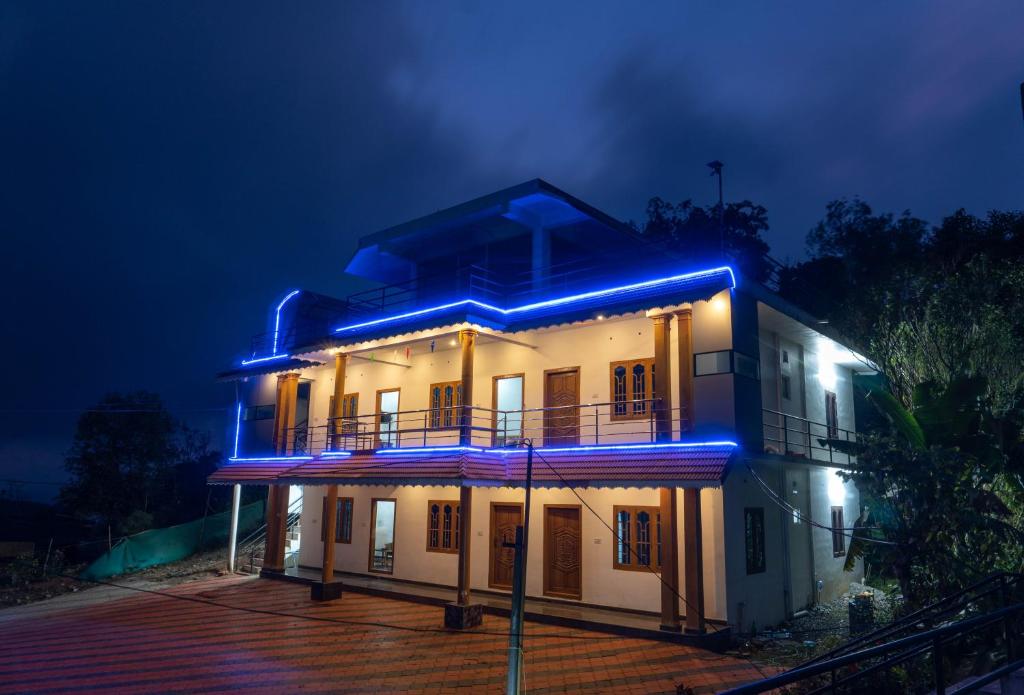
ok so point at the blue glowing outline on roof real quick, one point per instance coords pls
(335, 454)
(271, 459)
(277, 318)
(550, 302)
(617, 447)
(264, 359)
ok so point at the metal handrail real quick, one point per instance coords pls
(260, 534)
(623, 421)
(803, 443)
(933, 640)
(932, 612)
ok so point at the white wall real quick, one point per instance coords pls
(602, 585)
(591, 347)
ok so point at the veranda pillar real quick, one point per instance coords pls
(462, 614)
(669, 560)
(328, 588)
(693, 560)
(467, 339)
(277, 495)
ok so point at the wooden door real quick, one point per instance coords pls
(562, 422)
(504, 519)
(562, 551)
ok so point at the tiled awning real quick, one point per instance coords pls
(658, 465)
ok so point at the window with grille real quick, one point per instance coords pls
(831, 414)
(638, 542)
(753, 525)
(632, 388)
(342, 521)
(838, 533)
(445, 400)
(443, 522)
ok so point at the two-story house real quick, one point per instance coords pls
(674, 407)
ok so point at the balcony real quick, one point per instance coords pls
(613, 423)
(790, 435)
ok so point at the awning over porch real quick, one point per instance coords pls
(654, 465)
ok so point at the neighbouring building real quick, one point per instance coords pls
(676, 410)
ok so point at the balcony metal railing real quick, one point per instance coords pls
(620, 422)
(796, 436)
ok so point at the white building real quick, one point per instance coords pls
(658, 394)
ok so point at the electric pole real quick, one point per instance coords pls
(514, 684)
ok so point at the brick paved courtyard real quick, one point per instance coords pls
(145, 643)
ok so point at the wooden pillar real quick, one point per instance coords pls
(662, 379)
(277, 495)
(330, 528)
(669, 561)
(277, 522)
(693, 547)
(468, 340)
(465, 515)
(340, 361)
(685, 327)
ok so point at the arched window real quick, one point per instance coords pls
(434, 526)
(443, 526)
(638, 546)
(639, 388)
(619, 391)
(445, 399)
(632, 388)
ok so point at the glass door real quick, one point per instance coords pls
(382, 538)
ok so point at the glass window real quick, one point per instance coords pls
(838, 533)
(342, 521)
(638, 538)
(382, 537)
(632, 388)
(707, 363)
(259, 412)
(753, 525)
(443, 526)
(445, 399)
(508, 406)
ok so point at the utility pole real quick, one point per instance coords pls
(514, 684)
(716, 170)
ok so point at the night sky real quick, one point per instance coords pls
(168, 168)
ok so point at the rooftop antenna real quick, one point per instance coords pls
(716, 170)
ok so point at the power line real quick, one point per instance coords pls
(798, 514)
(618, 538)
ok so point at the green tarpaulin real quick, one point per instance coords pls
(162, 545)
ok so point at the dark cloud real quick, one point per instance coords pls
(169, 168)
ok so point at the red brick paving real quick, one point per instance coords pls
(146, 643)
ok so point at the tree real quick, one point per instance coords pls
(133, 465)
(942, 480)
(688, 229)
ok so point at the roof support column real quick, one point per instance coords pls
(693, 560)
(277, 495)
(328, 589)
(338, 404)
(662, 379)
(685, 327)
(462, 614)
(467, 338)
(669, 560)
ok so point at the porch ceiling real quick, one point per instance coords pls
(679, 465)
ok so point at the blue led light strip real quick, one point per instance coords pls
(432, 449)
(277, 318)
(265, 359)
(269, 459)
(618, 447)
(560, 301)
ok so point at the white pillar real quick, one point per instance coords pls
(236, 499)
